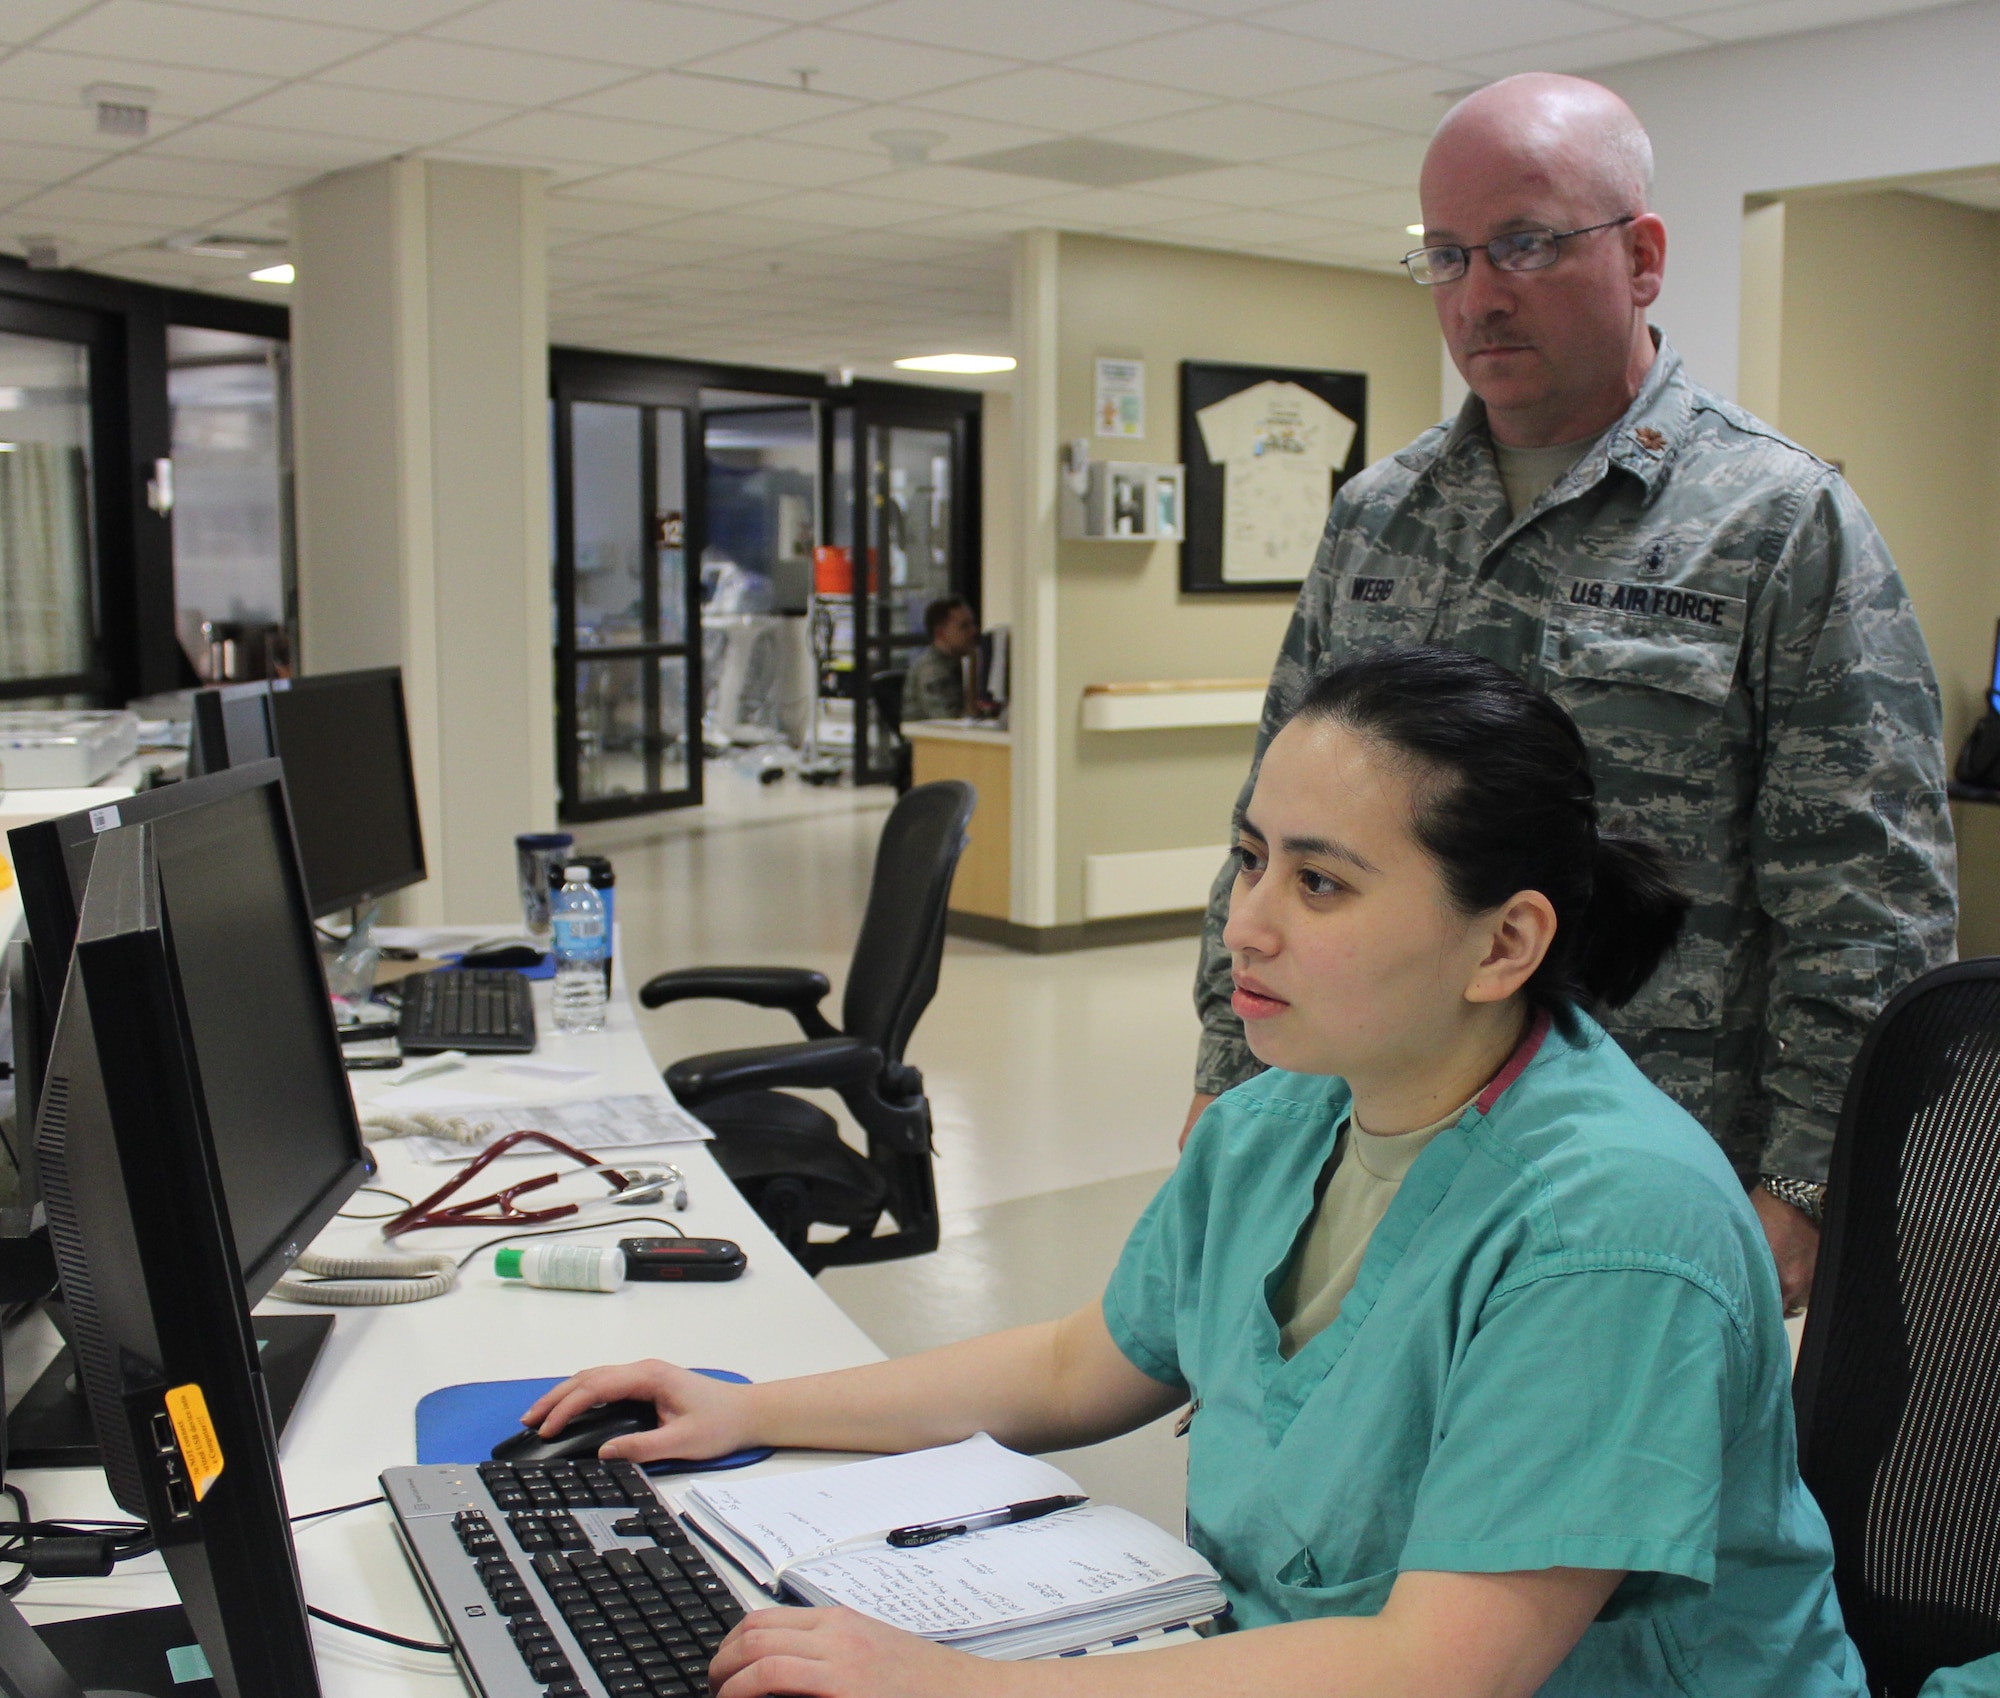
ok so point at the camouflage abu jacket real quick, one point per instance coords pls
(1722, 619)
(934, 687)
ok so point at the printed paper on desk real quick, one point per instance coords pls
(589, 1123)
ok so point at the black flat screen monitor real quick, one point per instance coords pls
(231, 727)
(196, 1131)
(345, 742)
(52, 858)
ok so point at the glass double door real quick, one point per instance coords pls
(904, 478)
(628, 677)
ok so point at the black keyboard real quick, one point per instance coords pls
(468, 1008)
(561, 1579)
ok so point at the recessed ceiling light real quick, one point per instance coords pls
(966, 364)
(8, 447)
(274, 274)
(1413, 229)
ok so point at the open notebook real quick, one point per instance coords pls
(1078, 1577)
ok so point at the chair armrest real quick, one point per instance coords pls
(798, 990)
(822, 1063)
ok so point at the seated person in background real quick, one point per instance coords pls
(935, 687)
(1489, 1384)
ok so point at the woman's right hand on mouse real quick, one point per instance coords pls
(699, 1417)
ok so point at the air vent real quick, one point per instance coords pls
(217, 244)
(1091, 164)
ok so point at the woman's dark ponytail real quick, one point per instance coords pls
(1633, 920)
(1505, 802)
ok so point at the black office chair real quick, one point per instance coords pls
(785, 1154)
(886, 688)
(1898, 1384)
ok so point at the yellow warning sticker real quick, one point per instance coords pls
(201, 1450)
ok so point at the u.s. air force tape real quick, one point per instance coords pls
(1650, 601)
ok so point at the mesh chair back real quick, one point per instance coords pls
(1898, 1386)
(894, 972)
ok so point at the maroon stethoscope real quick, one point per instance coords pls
(500, 1207)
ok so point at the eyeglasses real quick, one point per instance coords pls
(1518, 250)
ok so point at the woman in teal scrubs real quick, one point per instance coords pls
(1482, 1345)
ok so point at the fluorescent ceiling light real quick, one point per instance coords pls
(967, 364)
(8, 447)
(1413, 229)
(274, 274)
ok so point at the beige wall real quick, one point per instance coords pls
(1118, 613)
(420, 354)
(999, 509)
(1887, 361)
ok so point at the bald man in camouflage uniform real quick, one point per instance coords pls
(1709, 601)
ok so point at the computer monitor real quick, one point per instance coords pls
(196, 1131)
(345, 740)
(231, 727)
(52, 859)
(271, 964)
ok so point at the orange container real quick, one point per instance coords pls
(833, 570)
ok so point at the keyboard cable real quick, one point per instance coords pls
(341, 1621)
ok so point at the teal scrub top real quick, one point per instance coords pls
(1564, 1348)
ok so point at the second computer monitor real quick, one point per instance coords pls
(345, 742)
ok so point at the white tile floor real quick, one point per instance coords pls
(1058, 1083)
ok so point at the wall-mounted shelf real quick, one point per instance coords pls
(1170, 703)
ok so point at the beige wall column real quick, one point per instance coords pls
(420, 360)
(1034, 714)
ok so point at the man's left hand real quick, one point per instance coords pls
(1794, 1241)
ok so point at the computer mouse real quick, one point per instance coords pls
(503, 955)
(583, 1437)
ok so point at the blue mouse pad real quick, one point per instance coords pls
(464, 1423)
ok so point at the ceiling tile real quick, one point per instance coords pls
(419, 65)
(26, 162)
(23, 20)
(1392, 162)
(301, 150)
(1253, 224)
(1234, 59)
(573, 138)
(66, 125)
(207, 39)
(158, 173)
(1382, 209)
(862, 67)
(1241, 131)
(1780, 17)
(1412, 100)
(367, 114)
(34, 73)
(1098, 209)
(740, 231)
(1620, 46)
(954, 186)
(683, 190)
(1020, 29)
(709, 103)
(121, 206)
(899, 246)
(637, 34)
(1247, 185)
(784, 164)
(568, 214)
(391, 16)
(858, 128)
(1062, 99)
(835, 210)
(1435, 29)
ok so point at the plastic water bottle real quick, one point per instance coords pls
(581, 944)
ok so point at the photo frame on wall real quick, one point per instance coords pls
(1265, 449)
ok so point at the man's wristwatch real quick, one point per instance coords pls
(1809, 1199)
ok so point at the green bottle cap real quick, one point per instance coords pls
(507, 1263)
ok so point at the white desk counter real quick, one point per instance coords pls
(356, 1417)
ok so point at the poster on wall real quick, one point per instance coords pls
(1121, 398)
(1265, 448)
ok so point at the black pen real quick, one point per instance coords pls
(930, 1532)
